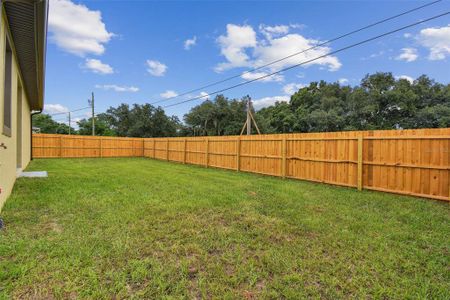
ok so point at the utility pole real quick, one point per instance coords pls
(249, 121)
(91, 102)
(69, 123)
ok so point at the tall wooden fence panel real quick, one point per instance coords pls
(57, 145)
(412, 162)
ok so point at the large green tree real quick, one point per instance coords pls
(141, 121)
(278, 118)
(221, 116)
(102, 126)
(380, 102)
(46, 124)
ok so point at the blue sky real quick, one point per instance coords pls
(143, 51)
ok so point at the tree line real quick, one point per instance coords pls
(380, 101)
(129, 121)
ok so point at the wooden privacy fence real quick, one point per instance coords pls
(58, 145)
(412, 162)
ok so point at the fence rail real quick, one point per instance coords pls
(411, 162)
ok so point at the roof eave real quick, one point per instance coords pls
(27, 27)
(41, 49)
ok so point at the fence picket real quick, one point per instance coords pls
(184, 151)
(283, 159)
(207, 153)
(238, 154)
(360, 163)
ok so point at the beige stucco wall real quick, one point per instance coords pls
(8, 157)
(26, 132)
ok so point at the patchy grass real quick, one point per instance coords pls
(124, 228)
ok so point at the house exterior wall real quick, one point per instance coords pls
(26, 132)
(8, 156)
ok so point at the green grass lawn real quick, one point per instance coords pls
(124, 228)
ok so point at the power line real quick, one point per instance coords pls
(302, 51)
(314, 59)
(84, 116)
(73, 115)
(66, 112)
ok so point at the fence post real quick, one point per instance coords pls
(167, 150)
(207, 152)
(283, 158)
(360, 163)
(101, 147)
(143, 147)
(60, 146)
(153, 147)
(238, 154)
(184, 152)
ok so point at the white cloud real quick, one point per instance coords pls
(156, 68)
(117, 88)
(77, 29)
(297, 26)
(255, 75)
(408, 54)
(292, 88)
(189, 43)
(268, 101)
(278, 30)
(409, 78)
(343, 81)
(55, 109)
(407, 35)
(293, 43)
(241, 48)
(436, 40)
(271, 31)
(203, 95)
(234, 44)
(168, 94)
(96, 66)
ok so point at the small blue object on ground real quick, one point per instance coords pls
(34, 174)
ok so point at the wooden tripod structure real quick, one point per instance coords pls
(250, 119)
